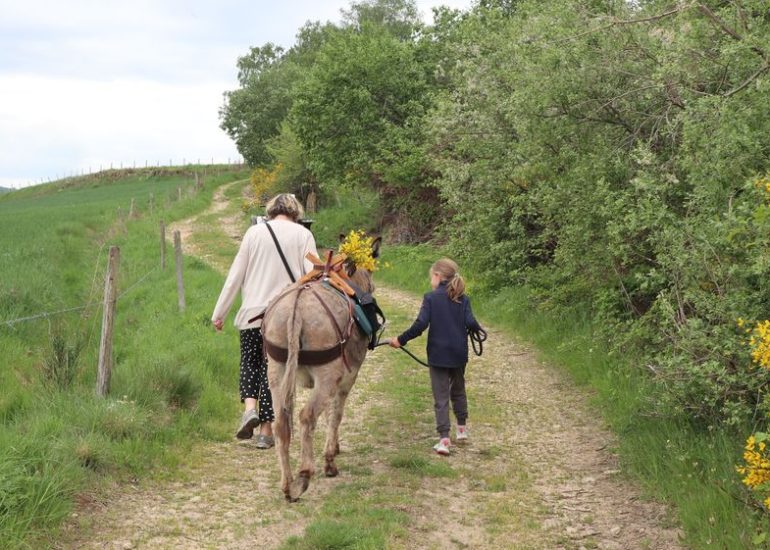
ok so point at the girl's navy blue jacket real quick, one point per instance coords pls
(448, 322)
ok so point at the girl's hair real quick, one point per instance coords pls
(286, 204)
(448, 271)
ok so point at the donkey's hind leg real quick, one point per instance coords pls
(332, 447)
(282, 425)
(324, 387)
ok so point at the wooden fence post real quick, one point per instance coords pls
(108, 317)
(179, 193)
(162, 244)
(132, 210)
(152, 203)
(179, 279)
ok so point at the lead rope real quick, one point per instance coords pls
(476, 336)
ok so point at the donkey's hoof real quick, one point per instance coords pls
(330, 470)
(297, 487)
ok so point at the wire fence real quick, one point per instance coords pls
(107, 300)
(47, 314)
(194, 164)
(94, 298)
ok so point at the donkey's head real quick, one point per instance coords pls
(362, 277)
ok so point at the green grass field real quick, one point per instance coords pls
(56, 437)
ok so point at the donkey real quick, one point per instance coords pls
(311, 341)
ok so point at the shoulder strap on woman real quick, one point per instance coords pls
(280, 252)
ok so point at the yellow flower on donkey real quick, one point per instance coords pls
(357, 246)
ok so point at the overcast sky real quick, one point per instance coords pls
(86, 84)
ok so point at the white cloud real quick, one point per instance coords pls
(102, 123)
(86, 83)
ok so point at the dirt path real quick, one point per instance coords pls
(537, 472)
(229, 220)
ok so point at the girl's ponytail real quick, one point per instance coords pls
(447, 270)
(455, 288)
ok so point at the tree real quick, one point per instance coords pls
(355, 113)
(400, 18)
(252, 115)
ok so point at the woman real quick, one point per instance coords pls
(259, 274)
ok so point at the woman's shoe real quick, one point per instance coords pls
(249, 421)
(265, 441)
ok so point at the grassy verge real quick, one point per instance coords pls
(671, 459)
(171, 376)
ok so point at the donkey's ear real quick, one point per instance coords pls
(376, 247)
(350, 268)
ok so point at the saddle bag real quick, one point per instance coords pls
(369, 316)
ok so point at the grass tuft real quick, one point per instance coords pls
(419, 465)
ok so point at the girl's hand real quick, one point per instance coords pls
(218, 324)
(394, 343)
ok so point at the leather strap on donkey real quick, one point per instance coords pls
(315, 357)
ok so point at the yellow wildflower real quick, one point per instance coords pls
(763, 184)
(358, 248)
(756, 468)
(263, 183)
(760, 344)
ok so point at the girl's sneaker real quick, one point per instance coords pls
(442, 447)
(462, 433)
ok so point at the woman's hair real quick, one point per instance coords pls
(448, 271)
(286, 204)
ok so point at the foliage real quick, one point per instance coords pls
(294, 175)
(398, 17)
(354, 112)
(345, 209)
(253, 114)
(263, 183)
(604, 155)
(345, 107)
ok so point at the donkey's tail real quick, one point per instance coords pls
(293, 329)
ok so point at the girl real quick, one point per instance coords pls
(447, 311)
